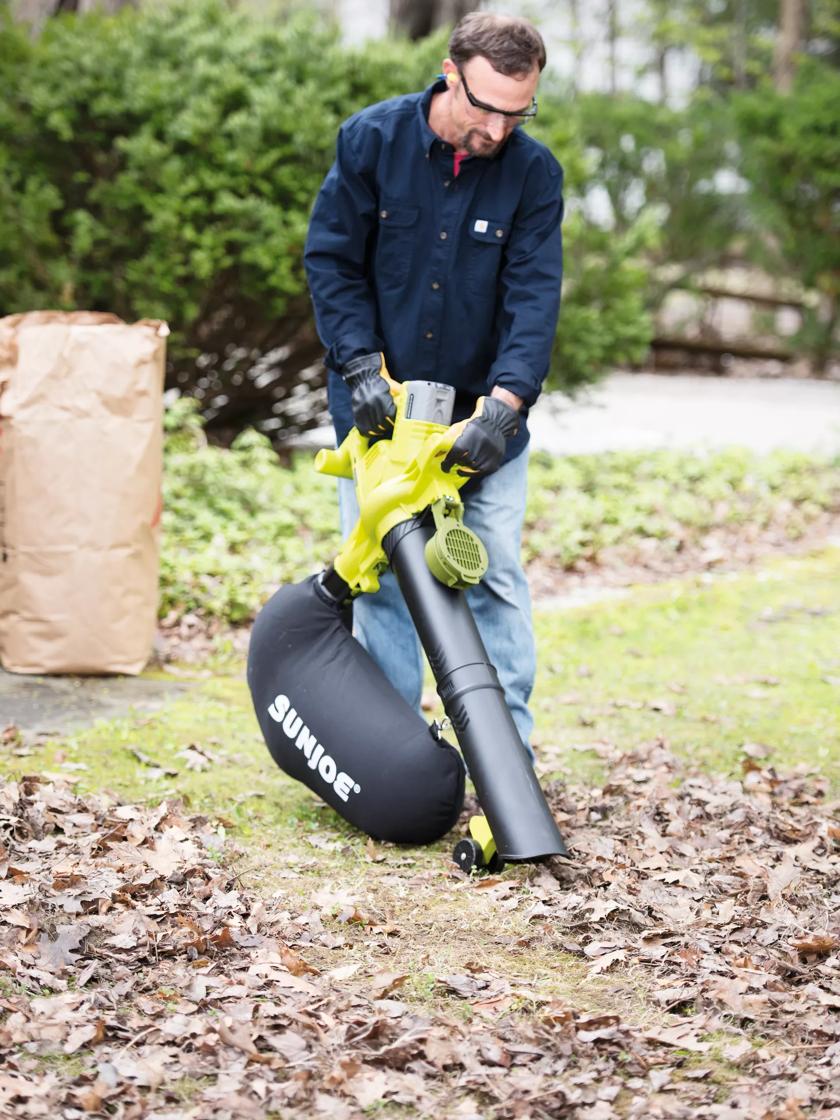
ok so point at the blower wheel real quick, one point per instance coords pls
(469, 856)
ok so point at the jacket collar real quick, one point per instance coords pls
(427, 136)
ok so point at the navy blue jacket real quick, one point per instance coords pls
(454, 279)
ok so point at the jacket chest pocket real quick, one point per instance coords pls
(396, 241)
(485, 241)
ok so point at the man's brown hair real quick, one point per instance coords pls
(511, 45)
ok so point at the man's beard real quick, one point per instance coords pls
(480, 144)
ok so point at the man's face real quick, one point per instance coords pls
(482, 132)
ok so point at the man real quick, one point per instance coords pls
(435, 241)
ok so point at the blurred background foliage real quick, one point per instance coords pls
(161, 161)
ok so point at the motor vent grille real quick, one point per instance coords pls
(464, 549)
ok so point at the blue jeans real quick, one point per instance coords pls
(501, 604)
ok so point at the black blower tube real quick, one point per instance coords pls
(507, 787)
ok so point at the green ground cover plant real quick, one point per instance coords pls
(580, 506)
(237, 523)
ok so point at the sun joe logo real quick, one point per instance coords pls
(295, 729)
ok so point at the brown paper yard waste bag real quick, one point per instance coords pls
(81, 403)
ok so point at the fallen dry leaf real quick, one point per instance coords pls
(61, 952)
(819, 943)
(680, 1037)
(784, 875)
(88, 1032)
(384, 983)
(295, 963)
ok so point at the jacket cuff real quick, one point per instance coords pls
(351, 346)
(516, 377)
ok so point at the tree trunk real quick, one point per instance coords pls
(826, 345)
(612, 40)
(37, 12)
(740, 45)
(662, 71)
(788, 42)
(577, 43)
(418, 18)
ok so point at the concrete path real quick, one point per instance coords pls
(639, 411)
(642, 411)
(41, 705)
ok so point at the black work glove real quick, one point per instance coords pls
(480, 448)
(373, 406)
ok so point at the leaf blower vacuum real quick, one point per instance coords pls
(331, 718)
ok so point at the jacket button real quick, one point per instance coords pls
(443, 235)
(435, 285)
(430, 334)
(383, 214)
(500, 233)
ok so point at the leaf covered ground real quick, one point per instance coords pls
(140, 977)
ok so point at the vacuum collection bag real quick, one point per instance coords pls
(332, 720)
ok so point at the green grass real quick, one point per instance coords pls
(752, 658)
(69, 1067)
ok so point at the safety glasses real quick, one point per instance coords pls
(510, 114)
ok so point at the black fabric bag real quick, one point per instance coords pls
(333, 720)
